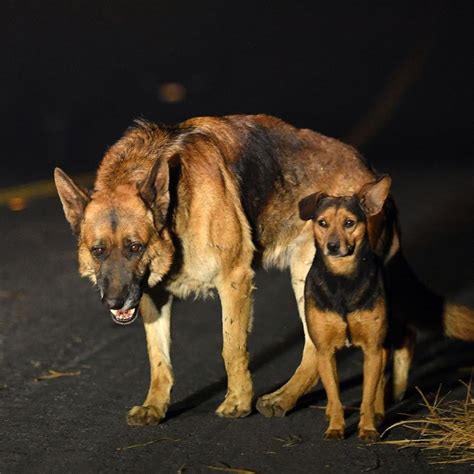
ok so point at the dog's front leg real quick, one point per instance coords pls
(235, 291)
(368, 329)
(373, 367)
(328, 332)
(379, 404)
(334, 410)
(157, 328)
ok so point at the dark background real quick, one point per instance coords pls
(393, 78)
(75, 74)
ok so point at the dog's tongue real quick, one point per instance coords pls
(123, 316)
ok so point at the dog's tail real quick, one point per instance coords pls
(415, 305)
(458, 321)
(412, 307)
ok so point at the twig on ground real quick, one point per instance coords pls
(54, 374)
(226, 468)
(146, 443)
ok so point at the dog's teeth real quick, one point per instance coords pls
(123, 315)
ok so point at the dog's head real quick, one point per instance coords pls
(122, 236)
(340, 223)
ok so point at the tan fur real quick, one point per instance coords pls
(459, 322)
(345, 295)
(367, 329)
(207, 243)
(402, 358)
(334, 219)
(157, 329)
(200, 239)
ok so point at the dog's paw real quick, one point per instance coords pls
(144, 415)
(232, 407)
(334, 434)
(369, 436)
(270, 407)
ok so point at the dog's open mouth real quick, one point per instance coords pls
(124, 316)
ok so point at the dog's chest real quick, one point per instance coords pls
(344, 294)
(196, 276)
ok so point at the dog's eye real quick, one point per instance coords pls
(136, 247)
(98, 252)
(349, 223)
(322, 223)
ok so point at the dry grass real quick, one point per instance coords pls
(446, 433)
(290, 441)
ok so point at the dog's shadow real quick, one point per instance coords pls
(264, 357)
(450, 356)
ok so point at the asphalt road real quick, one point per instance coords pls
(53, 320)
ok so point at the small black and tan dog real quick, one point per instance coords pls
(345, 292)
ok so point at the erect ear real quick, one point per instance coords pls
(155, 191)
(372, 196)
(309, 204)
(73, 198)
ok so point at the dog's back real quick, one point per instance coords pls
(272, 165)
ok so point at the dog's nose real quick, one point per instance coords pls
(114, 303)
(333, 247)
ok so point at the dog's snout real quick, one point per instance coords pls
(115, 298)
(114, 303)
(333, 247)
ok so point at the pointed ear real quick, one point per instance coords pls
(73, 198)
(372, 196)
(155, 191)
(309, 204)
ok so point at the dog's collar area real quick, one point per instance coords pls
(124, 316)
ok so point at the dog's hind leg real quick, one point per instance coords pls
(402, 357)
(305, 377)
(157, 328)
(379, 404)
(235, 291)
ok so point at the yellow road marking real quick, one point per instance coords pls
(16, 196)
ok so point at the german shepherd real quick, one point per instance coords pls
(187, 209)
(344, 292)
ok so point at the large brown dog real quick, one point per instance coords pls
(187, 209)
